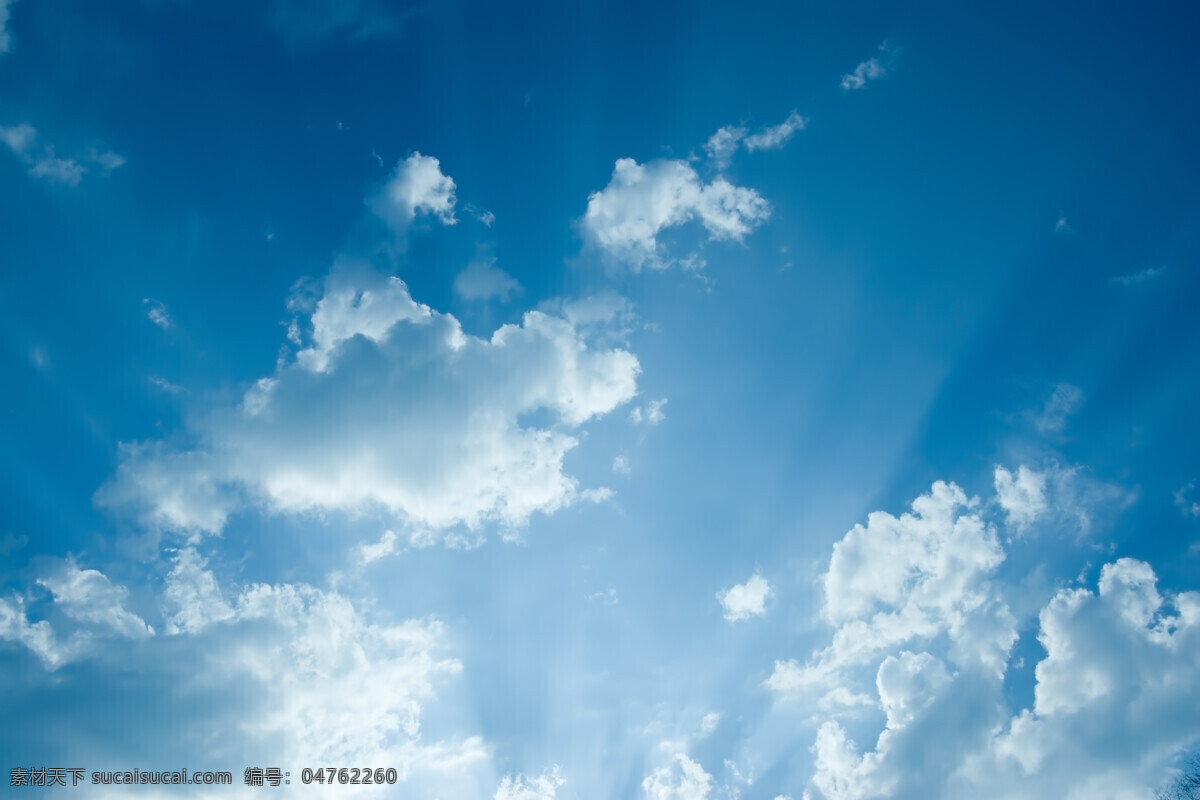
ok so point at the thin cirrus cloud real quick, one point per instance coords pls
(923, 633)
(483, 280)
(641, 201)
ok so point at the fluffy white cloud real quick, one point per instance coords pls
(391, 408)
(66, 171)
(521, 787)
(641, 200)
(744, 600)
(776, 136)
(1022, 496)
(916, 606)
(483, 280)
(5, 36)
(416, 187)
(683, 780)
(87, 596)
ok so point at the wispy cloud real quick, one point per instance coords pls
(156, 312)
(872, 69)
(43, 163)
(745, 600)
(6, 42)
(1137, 278)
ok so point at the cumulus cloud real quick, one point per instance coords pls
(38, 636)
(87, 596)
(483, 280)
(922, 636)
(642, 200)
(870, 70)
(417, 187)
(386, 546)
(18, 138)
(744, 600)
(521, 787)
(66, 171)
(684, 779)
(390, 408)
(1022, 496)
(192, 596)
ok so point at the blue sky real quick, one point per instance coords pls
(601, 400)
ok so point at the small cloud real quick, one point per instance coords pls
(378, 159)
(745, 600)
(107, 161)
(652, 414)
(384, 547)
(1062, 226)
(38, 357)
(18, 138)
(620, 465)
(483, 280)
(776, 136)
(67, 171)
(522, 787)
(1137, 278)
(608, 597)
(867, 71)
(483, 215)
(165, 385)
(1064, 401)
(1022, 496)
(708, 725)
(416, 187)
(157, 312)
(1185, 504)
(723, 144)
(5, 37)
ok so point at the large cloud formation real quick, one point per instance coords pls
(391, 407)
(922, 639)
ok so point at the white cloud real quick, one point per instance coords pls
(1062, 226)
(1064, 401)
(156, 312)
(1022, 496)
(723, 144)
(620, 465)
(708, 724)
(869, 70)
(391, 409)
(87, 596)
(625, 218)
(776, 136)
(17, 138)
(745, 600)
(67, 171)
(521, 787)
(651, 414)
(107, 160)
(483, 280)
(922, 635)
(386, 546)
(193, 594)
(416, 187)
(5, 36)
(1190, 508)
(683, 780)
(37, 636)
(1137, 278)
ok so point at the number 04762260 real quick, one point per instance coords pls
(348, 775)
